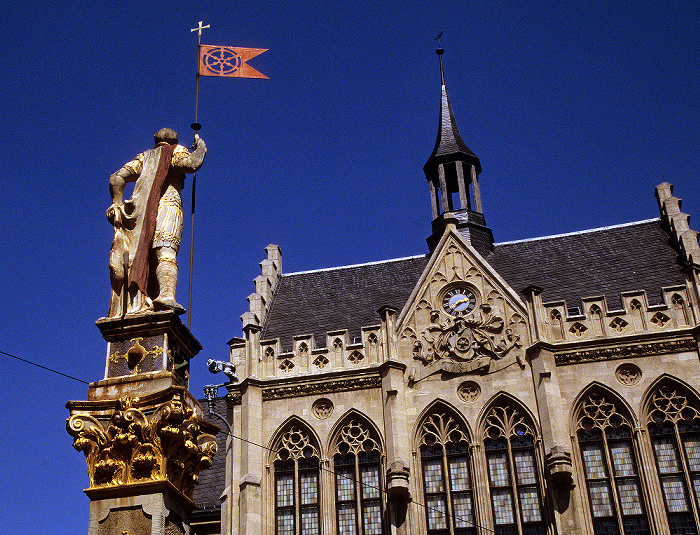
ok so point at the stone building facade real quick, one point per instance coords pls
(543, 386)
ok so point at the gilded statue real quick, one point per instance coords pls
(147, 227)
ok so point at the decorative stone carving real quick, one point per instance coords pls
(628, 374)
(286, 365)
(306, 389)
(469, 391)
(660, 320)
(322, 408)
(621, 352)
(320, 362)
(618, 324)
(671, 405)
(356, 357)
(133, 448)
(464, 344)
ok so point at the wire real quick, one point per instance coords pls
(44, 368)
(419, 504)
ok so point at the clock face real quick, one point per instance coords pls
(459, 301)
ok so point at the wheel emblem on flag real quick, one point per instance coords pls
(221, 61)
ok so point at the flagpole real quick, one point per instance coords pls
(195, 126)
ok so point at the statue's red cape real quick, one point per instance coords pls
(138, 273)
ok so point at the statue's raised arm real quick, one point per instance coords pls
(148, 226)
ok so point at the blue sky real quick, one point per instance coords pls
(575, 111)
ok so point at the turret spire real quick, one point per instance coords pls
(451, 168)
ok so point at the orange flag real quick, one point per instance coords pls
(228, 61)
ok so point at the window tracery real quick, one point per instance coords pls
(674, 430)
(296, 472)
(509, 441)
(357, 467)
(610, 468)
(447, 487)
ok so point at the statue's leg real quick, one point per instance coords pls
(166, 273)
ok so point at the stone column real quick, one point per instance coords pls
(251, 461)
(141, 430)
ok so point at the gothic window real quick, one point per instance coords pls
(358, 486)
(296, 485)
(610, 468)
(557, 324)
(674, 430)
(513, 469)
(444, 454)
(596, 314)
(679, 310)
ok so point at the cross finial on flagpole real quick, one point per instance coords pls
(199, 29)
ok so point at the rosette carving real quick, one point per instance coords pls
(133, 448)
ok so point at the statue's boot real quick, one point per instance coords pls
(166, 273)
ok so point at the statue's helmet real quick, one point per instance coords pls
(165, 136)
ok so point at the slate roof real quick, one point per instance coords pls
(211, 481)
(315, 302)
(606, 261)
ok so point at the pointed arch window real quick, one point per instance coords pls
(358, 486)
(509, 441)
(610, 468)
(296, 485)
(444, 453)
(674, 430)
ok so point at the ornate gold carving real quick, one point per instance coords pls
(322, 408)
(134, 448)
(321, 388)
(628, 374)
(136, 354)
(463, 344)
(469, 391)
(622, 352)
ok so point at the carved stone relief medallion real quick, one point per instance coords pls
(628, 374)
(322, 408)
(469, 391)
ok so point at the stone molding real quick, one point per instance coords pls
(626, 351)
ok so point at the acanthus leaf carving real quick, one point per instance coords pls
(131, 448)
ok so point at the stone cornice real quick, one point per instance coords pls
(625, 351)
(309, 384)
(305, 389)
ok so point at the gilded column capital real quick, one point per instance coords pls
(144, 444)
